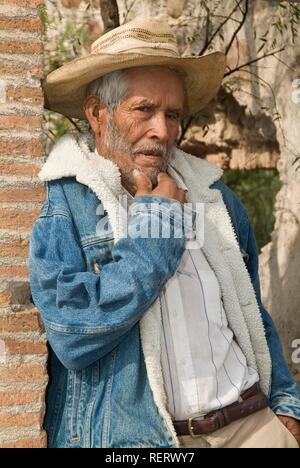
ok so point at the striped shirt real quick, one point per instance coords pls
(204, 369)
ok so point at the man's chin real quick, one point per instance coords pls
(151, 173)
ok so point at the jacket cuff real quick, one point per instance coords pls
(287, 407)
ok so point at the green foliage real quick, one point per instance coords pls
(56, 125)
(285, 24)
(257, 190)
(66, 38)
(69, 44)
(43, 14)
(282, 28)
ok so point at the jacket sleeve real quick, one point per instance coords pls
(87, 314)
(284, 393)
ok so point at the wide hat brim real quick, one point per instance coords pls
(65, 88)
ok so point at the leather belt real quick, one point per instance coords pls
(250, 402)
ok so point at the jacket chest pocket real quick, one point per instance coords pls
(98, 254)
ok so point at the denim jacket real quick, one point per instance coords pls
(94, 289)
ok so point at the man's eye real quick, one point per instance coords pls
(143, 109)
(173, 116)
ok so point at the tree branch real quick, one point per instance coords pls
(286, 65)
(242, 22)
(253, 61)
(110, 14)
(223, 16)
(207, 25)
(73, 123)
(185, 128)
(274, 99)
(128, 10)
(204, 48)
(239, 6)
(238, 51)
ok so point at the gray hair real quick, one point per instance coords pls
(112, 88)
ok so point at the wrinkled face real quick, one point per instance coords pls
(142, 132)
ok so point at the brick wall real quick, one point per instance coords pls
(23, 353)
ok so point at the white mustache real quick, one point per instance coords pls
(157, 150)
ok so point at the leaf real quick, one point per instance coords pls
(261, 48)
(205, 129)
(274, 44)
(43, 14)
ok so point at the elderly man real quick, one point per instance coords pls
(155, 340)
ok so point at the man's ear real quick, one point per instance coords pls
(93, 109)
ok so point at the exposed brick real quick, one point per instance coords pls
(20, 47)
(25, 24)
(5, 298)
(16, 292)
(22, 419)
(24, 373)
(13, 271)
(15, 248)
(9, 398)
(12, 168)
(24, 347)
(20, 146)
(22, 322)
(15, 68)
(20, 121)
(23, 3)
(26, 443)
(19, 195)
(14, 219)
(26, 95)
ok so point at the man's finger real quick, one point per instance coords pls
(142, 182)
(162, 177)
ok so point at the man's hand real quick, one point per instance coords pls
(166, 187)
(293, 425)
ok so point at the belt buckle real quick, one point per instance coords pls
(190, 422)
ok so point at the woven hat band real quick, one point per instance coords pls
(130, 45)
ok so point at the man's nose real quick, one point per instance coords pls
(159, 128)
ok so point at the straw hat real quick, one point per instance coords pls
(141, 42)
